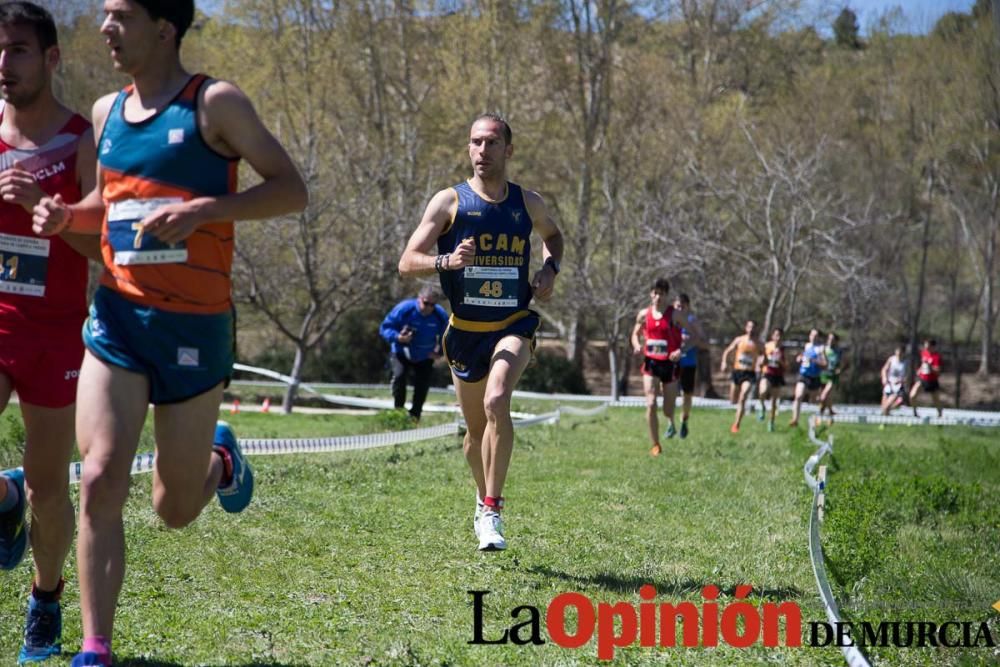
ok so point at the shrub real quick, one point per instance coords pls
(551, 373)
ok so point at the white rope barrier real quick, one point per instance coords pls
(846, 414)
(853, 655)
(144, 463)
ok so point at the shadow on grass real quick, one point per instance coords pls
(619, 584)
(146, 662)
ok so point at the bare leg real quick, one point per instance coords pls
(470, 399)
(184, 437)
(914, 392)
(510, 358)
(741, 404)
(46, 480)
(112, 407)
(936, 396)
(669, 390)
(650, 387)
(800, 392)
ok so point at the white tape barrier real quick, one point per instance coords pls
(853, 655)
(348, 386)
(143, 463)
(850, 414)
(358, 402)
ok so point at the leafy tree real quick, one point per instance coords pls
(845, 29)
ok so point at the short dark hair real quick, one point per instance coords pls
(684, 298)
(178, 12)
(30, 14)
(662, 285)
(931, 342)
(779, 330)
(508, 136)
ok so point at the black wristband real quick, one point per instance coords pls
(437, 263)
(550, 261)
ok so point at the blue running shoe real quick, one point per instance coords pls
(670, 432)
(235, 497)
(13, 530)
(42, 632)
(91, 659)
(684, 429)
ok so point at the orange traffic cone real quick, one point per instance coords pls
(266, 405)
(236, 406)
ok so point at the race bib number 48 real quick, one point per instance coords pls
(24, 264)
(491, 286)
(131, 245)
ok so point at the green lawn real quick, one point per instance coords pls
(366, 558)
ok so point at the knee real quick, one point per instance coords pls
(174, 512)
(47, 496)
(472, 442)
(651, 402)
(102, 491)
(497, 405)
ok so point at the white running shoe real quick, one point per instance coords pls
(480, 508)
(491, 532)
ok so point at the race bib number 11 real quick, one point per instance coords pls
(131, 245)
(24, 264)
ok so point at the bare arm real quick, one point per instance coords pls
(231, 126)
(53, 216)
(725, 353)
(640, 319)
(552, 244)
(417, 259)
(88, 245)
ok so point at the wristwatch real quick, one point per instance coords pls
(551, 261)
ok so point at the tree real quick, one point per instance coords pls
(845, 29)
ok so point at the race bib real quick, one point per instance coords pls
(656, 346)
(925, 368)
(24, 264)
(491, 286)
(130, 244)
(774, 361)
(745, 360)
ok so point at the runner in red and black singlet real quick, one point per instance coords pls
(927, 376)
(772, 378)
(45, 150)
(657, 337)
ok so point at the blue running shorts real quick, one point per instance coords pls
(182, 354)
(469, 352)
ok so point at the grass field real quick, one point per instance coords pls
(366, 558)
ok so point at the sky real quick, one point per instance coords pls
(920, 14)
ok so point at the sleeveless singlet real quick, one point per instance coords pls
(42, 280)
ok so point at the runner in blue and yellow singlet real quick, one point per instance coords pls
(482, 229)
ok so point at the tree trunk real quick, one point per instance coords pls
(705, 373)
(925, 243)
(987, 305)
(613, 366)
(622, 380)
(296, 375)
